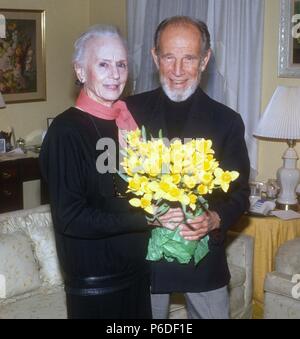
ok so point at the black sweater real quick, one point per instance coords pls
(97, 234)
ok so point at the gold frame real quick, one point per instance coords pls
(38, 91)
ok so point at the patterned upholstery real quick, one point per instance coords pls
(31, 284)
(18, 267)
(41, 305)
(280, 301)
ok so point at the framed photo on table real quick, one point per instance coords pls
(289, 39)
(22, 55)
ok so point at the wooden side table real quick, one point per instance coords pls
(13, 173)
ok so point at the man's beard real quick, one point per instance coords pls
(179, 95)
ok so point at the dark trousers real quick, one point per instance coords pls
(133, 302)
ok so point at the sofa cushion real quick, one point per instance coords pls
(18, 268)
(38, 306)
(40, 229)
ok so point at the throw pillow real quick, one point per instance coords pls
(18, 269)
(40, 229)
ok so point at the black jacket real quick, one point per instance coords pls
(210, 120)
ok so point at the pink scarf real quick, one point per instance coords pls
(118, 112)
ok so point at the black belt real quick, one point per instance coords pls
(89, 286)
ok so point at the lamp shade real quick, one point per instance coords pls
(281, 119)
(2, 103)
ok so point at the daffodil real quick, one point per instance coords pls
(224, 178)
(182, 173)
(202, 189)
(193, 201)
(190, 181)
(134, 138)
(206, 177)
(145, 203)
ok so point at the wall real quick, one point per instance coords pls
(270, 152)
(109, 12)
(65, 20)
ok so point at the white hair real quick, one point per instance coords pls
(96, 31)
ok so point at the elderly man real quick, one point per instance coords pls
(181, 109)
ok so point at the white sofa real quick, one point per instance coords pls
(282, 299)
(30, 279)
(31, 284)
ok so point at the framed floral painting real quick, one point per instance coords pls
(289, 39)
(22, 55)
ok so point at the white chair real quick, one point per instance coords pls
(280, 301)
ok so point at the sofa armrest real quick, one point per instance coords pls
(239, 249)
(239, 252)
(279, 283)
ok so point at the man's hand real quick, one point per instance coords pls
(171, 220)
(200, 226)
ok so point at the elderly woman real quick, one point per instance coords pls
(101, 243)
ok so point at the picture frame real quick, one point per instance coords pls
(22, 56)
(2, 146)
(289, 39)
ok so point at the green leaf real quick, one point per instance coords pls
(123, 176)
(201, 250)
(160, 134)
(124, 153)
(183, 206)
(144, 135)
(169, 245)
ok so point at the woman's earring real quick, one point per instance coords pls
(79, 83)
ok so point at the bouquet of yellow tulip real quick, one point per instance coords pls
(181, 173)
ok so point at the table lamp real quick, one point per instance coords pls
(2, 103)
(281, 122)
